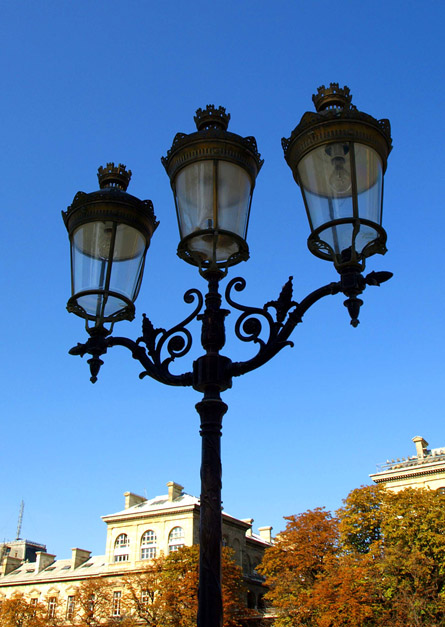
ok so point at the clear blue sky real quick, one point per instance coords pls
(84, 83)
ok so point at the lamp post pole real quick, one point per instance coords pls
(338, 158)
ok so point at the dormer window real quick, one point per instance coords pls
(122, 548)
(176, 539)
(148, 545)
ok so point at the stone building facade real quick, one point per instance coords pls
(425, 469)
(144, 529)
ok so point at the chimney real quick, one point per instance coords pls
(266, 534)
(249, 521)
(9, 564)
(421, 446)
(43, 560)
(133, 499)
(78, 557)
(174, 490)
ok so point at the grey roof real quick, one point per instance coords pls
(162, 503)
(58, 570)
(158, 503)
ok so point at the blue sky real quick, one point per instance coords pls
(84, 83)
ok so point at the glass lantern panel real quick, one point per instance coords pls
(213, 246)
(322, 210)
(128, 258)
(194, 197)
(91, 257)
(369, 171)
(211, 196)
(234, 191)
(326, 171)
(339, 237)
(325, 177)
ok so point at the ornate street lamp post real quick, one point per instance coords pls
(338, 158)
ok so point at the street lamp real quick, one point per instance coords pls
(338, 157)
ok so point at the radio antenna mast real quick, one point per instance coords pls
(19, 524)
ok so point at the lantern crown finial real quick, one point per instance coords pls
(114, 176)
(211, 117)
(332, 97)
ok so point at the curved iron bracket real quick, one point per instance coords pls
(177, 341)
(269, 329)
(288, 313)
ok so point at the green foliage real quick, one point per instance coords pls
(361, 518)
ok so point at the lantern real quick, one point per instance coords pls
(338, 157)
(110, 232)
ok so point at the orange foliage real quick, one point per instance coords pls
(380, 563)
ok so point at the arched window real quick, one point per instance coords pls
(122, 548)
(148, 545)
(236, 546)
(176, 539)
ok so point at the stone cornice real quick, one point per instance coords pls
(399, 474)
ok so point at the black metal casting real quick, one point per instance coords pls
(269, 328)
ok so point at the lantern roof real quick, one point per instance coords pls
(113, 182)
(336, 120)
(212, 140)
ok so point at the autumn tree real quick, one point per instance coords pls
(380, 562)
(360, 518)
(93, 604)
(144, 593)
(17, 611)
(165, 592)
(294, 563)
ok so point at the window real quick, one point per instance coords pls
(70, 607)
(33, 605)
(117, 595)
(91, 604)
(176, 539)
(148, 545)
(121, 548)
(145, 597)
(52, 602)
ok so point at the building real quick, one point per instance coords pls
(425, 469)
(141, 531)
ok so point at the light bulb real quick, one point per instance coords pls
(340, 180)
(104, 242)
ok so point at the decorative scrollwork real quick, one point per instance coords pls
(176, 341)
(251, 324)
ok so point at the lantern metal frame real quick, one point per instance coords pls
(267, 329)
